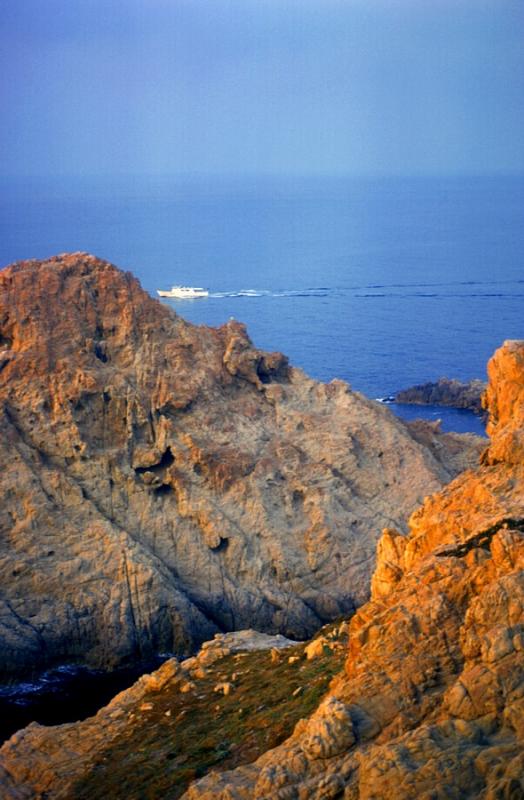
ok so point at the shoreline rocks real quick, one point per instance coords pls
(445, 392)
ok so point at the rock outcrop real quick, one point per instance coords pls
(163, 481)
(431, 701)
(505, 401)
(445, 392)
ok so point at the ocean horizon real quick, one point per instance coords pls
(382, 282)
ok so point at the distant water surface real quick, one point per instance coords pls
(64, 694)
(460, 420)
(382, 282)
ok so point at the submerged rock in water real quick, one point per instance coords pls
(162, 481)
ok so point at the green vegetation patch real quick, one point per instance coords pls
(183, 736)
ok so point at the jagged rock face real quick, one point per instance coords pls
(162, 481)
(431, 704)
(505, 400)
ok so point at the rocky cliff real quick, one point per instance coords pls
(162, 481)
(430, 705)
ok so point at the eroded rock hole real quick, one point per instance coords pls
(262, 372)
(297, 499)
(166, 460)
(221, 546)
(165, 488)
(100, 353)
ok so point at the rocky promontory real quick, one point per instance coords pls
(445, 392)
(163, 481)
(429, 706)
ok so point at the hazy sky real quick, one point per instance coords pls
(293, 86)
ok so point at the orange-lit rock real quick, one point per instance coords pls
(430, 705)
(161, 480)
(505, 400)
(433, 692)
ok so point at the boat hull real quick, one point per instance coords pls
(183, 294)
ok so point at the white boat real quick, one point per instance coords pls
(184, 292)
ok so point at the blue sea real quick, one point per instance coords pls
(384, 282)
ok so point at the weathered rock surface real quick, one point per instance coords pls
(445, 392)
(162, 481)
(505, 401)
(431, 704)
(454, 448)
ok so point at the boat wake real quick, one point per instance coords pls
(458, 289)
(318, 292)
